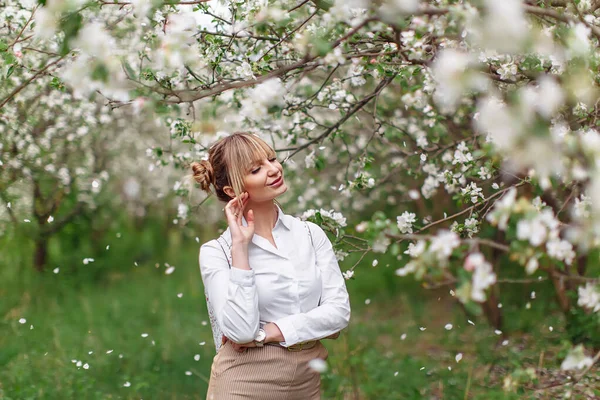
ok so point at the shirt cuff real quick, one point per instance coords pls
(290, 335)
(241, 277)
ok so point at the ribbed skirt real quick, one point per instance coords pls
(265, 373)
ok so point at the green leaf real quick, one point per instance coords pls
(70, 25)
(57, 84)
(321, 46)
(10, 71)
(9, 58)
(324, 5)
(100, 73)
(3, 45)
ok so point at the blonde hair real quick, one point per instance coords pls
(229, 160)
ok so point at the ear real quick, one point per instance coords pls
(229, 191)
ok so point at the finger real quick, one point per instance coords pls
(231, 209)
(250, 218)
(244, 198)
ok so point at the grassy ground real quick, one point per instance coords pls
(143, 334)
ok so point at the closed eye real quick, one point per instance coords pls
(255, 170)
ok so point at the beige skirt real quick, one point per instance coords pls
(265, 373)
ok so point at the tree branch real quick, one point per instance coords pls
(351, 112)
(28, 81)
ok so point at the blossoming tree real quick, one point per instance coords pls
(470, 126)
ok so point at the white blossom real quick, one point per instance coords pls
(589, 296)
(406, 221)
(444, 243)
(415, 250)
(576, 359)
(483, 275)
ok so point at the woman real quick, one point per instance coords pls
(273, 284)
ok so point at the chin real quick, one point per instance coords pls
(281, 190)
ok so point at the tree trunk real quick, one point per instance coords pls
(41, 253)
(492, 312)
(560, 290)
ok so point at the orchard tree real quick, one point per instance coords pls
(462, 132)
(62, 154)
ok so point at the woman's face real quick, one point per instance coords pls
(264, 181)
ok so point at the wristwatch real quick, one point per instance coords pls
(259, 340)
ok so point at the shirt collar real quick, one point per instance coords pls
(282, 218)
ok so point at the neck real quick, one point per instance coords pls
(265, 217)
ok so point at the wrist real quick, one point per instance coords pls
(240, 246)
(273, 333)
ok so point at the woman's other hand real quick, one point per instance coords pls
(333, 336)
(239, 347)
(234, 211)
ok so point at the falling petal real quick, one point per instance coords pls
(471, 322)
(498, 332)
(109, 351)
(22, 320)
(55, 270)
(458, 357)
(86, 366)
(197, 357)
(318, 365)
(403, 336)
(127, 384)
(169, 270)
(448, 327)
(180, 295)
(188, 373)
(144, 335)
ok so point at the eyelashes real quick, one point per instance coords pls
(255, 170)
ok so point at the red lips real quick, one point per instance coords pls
(277, 182)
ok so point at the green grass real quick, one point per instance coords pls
(83, 312)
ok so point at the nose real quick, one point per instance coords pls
(273, 170)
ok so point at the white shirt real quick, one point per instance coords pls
(298, 287)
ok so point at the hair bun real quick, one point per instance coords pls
(203, 174)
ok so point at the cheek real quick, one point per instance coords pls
(251, 183)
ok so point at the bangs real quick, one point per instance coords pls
(249, 151)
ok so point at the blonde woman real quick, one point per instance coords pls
(273, 285)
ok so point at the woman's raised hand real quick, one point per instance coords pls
(233, 212)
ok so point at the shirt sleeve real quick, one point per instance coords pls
(231, 292)
(333, 313)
